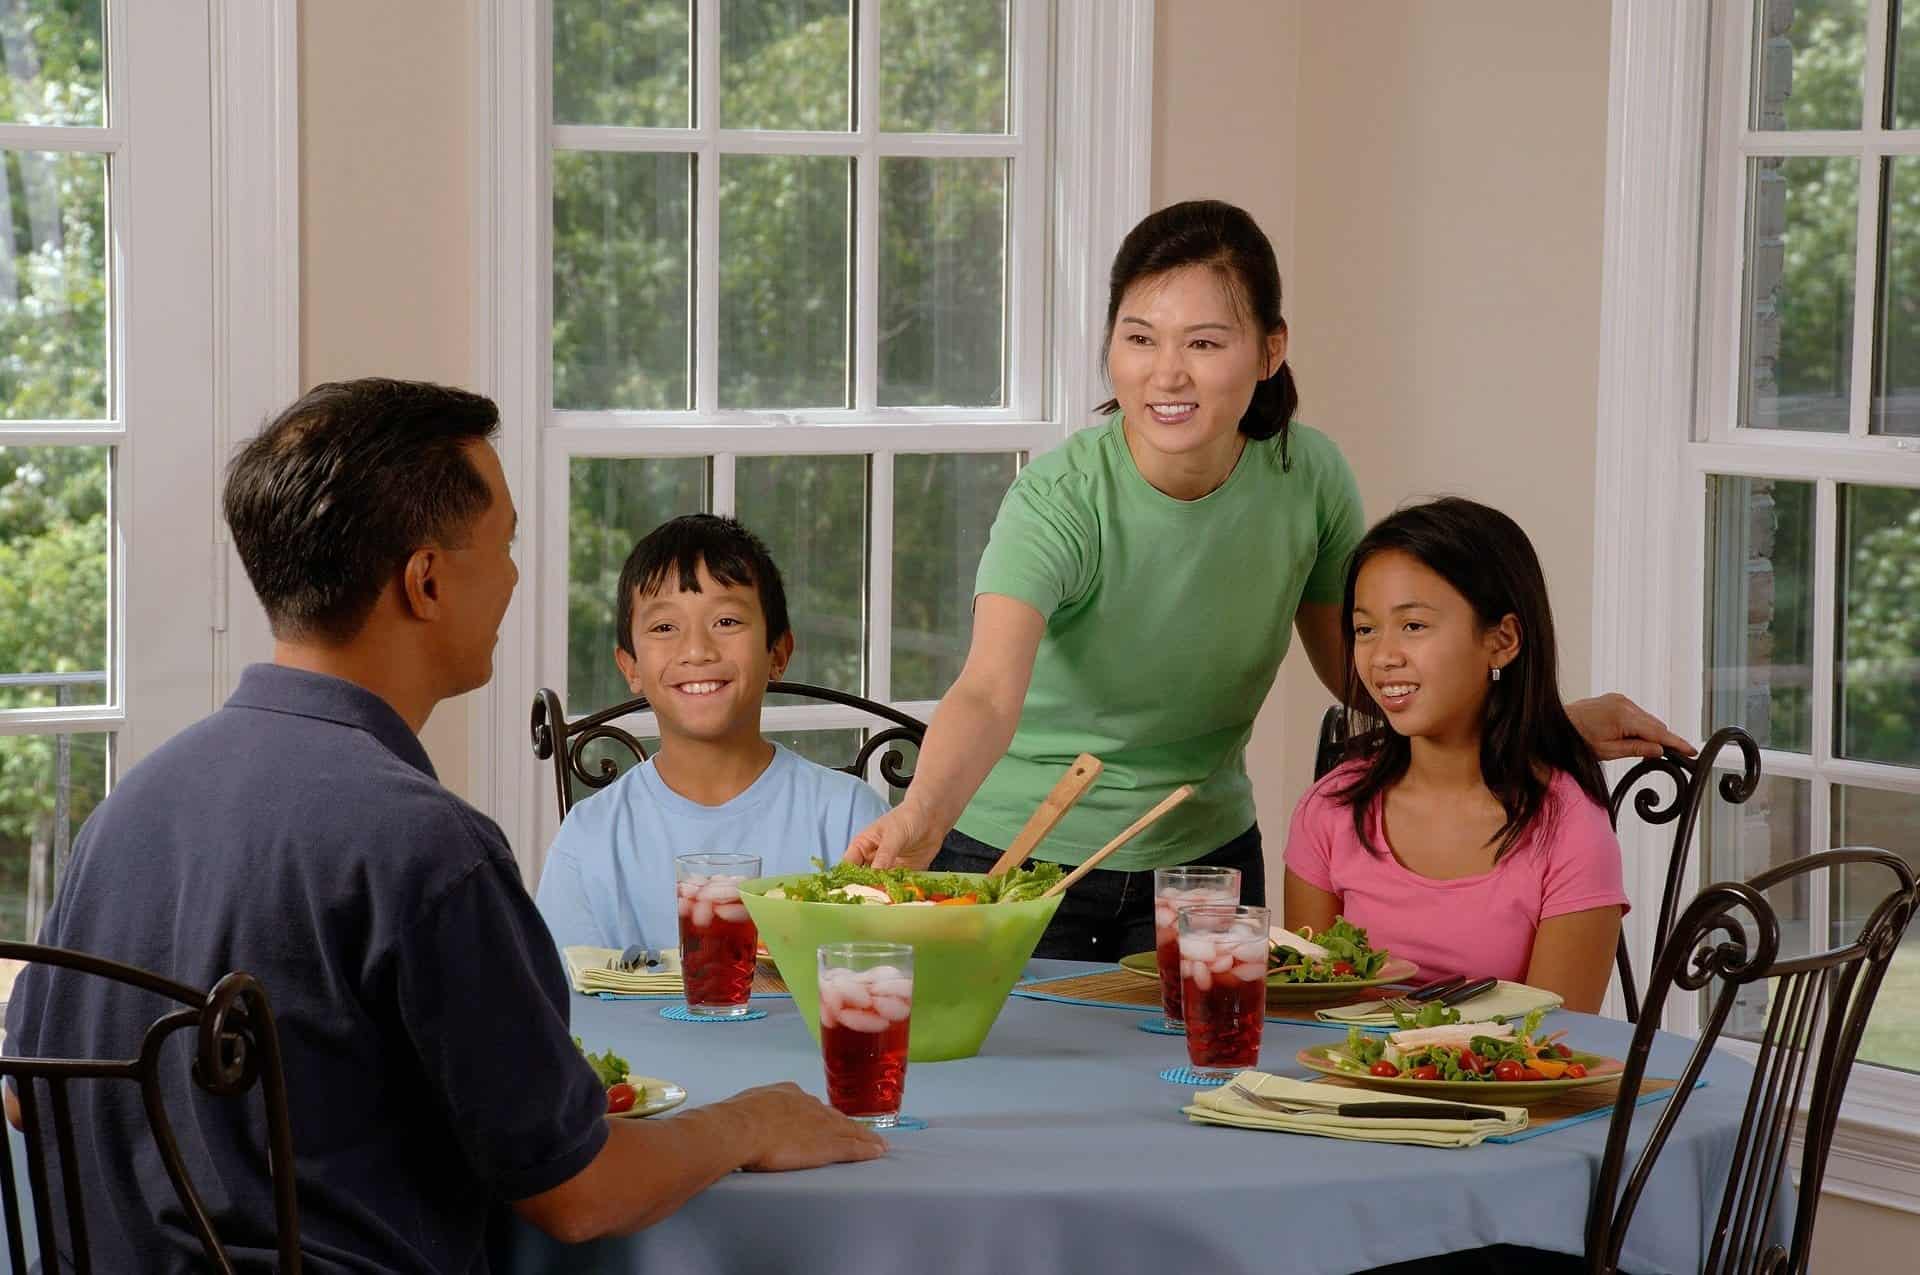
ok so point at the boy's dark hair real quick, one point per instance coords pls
(1226, 240)
(732, 554)
(1487, 557)
(327, 503)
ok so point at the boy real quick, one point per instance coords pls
(702, 630)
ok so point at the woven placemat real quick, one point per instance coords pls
(1564, 1109)
(1122, 990)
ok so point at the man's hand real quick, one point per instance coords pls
(901, 838)
(1615, 727)
(794, 1130)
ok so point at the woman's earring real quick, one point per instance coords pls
(1496, 672)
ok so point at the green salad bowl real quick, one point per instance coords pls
(965, 959)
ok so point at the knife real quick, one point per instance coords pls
(1439, 987)
(1415, 1111)
(1455, 995)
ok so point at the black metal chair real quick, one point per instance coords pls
(1819, 1008)
(1690, 777)
(562, 742)
(237, 1047)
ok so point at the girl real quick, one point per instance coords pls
(1467, 831)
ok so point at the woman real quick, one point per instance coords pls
(1135, 597)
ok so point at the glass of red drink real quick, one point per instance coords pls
(1173, 889)
(717, 937)
(1223, 984)
(866, 1009)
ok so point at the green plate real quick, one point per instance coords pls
(1509, 1093)
(656, 1096)
(1396, 970)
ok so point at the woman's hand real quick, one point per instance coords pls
(1615, 727)
(902, 838)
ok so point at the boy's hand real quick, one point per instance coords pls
(1615, 727)
(901, 838)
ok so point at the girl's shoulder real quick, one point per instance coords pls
(1324, 796)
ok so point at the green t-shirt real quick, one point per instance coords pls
(1166, 623)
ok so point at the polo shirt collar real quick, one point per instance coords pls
(275, 688)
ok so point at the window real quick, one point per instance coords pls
(805, 262)
(1805, 458)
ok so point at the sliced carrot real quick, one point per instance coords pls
(958, 898)
(1551, 1070)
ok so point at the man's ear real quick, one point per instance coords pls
(420, 584)
(629, 669)
(782, 655)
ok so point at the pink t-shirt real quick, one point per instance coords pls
(1568, 861)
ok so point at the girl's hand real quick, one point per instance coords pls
(902, 838)
(1615, 727)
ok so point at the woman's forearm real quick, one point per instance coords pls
(969, 733)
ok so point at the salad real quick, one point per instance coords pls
(1337, 954)
(1452, 1050)
(857, 884)
(622, 1094)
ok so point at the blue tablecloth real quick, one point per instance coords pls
(1060, 1149)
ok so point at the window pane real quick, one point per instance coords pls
(622, 282)
(51, 71)
(943, 66)
(1809, 68)
(1772, 827)
(1885, 821)
(1903, 99)
(1760, 609)
(943, 282)
(943, 507)
(53, 576)
(623, 62)
(53, 286)
(784, 263)
(786, 64)
(831, 748)
(49, 784)
(611, 503)
(812, 513)
(1797, 341)
(1896, 357)
(1879, 696)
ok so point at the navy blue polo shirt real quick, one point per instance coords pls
(299, 834)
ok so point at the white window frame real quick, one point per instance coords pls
(1081, 110)
(1669, 367)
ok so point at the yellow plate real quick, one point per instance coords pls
(656, 1096)
(1396, 970)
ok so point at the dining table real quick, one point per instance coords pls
(1059, 1148)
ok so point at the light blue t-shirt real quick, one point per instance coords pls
(609, 876)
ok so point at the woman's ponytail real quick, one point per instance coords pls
(1275, 400)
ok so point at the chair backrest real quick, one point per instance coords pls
(1818, 1009)
(1692, 778)
(236, 1048)
(560, 741)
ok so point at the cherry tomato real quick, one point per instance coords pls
(1384, 1068)
(620, 1098)
(1341, 968)
(1563, 1050)
(1470, 1061)
(1528, 1073)
(1576, 1070)
(1508, 1069)
(1427, 1072)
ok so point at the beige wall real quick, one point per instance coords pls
(1431, 175)
(384, 214)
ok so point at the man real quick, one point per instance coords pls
(299, 834)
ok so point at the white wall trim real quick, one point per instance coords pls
(1648, 550)
(1102, 104)
(256, 294)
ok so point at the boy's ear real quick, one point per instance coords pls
(1503, 641)
(782, 656)
(629, 670)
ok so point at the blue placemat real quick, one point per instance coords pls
(1598, 1113)
(1197, 1080)
(681, 1014)
(1162, 1026)
(905, 1124)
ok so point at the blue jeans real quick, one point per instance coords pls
(1107, 915)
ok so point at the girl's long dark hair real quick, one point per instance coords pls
(1215, 234)
(1484, 555)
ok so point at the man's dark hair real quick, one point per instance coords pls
(327, 502)
(733, 555)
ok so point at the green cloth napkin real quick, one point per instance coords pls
(587, 968)
(1504, 1000)
(1221, 1106)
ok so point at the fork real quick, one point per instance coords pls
(1453, 995)
(639, 956)
(1411, 1002)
